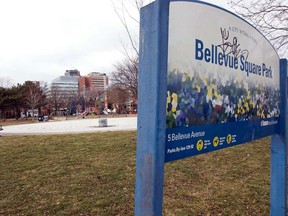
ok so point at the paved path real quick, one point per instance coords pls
(71, 126)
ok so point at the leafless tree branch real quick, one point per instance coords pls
(269, 16)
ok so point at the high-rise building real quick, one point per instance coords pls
(66, 84)
(98, 80)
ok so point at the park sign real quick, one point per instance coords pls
(223, 84)
(207, 80)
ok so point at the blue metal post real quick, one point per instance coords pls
(151, 128)
(278, 169)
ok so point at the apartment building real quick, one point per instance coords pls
(98, 80)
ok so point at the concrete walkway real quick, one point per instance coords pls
(70, 126)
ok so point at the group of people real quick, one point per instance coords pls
(195, 99)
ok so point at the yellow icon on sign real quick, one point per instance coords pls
(200, 145)
(215, 141)
(229, 138)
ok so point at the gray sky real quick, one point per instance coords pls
(39, 40)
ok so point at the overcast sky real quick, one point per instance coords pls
(39, 40)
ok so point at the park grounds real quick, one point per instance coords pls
(93, 173)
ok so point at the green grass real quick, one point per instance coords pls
(94, 174)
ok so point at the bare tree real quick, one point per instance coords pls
(128, 13)
(118, 97)
(269, 16)
(33, 96)
(125, 74)
(91, 97)
(59, 100)
(55, 99)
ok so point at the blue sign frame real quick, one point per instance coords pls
(151, 152)
(151, 128)
(278, 152)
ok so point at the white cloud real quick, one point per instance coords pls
(39, 40)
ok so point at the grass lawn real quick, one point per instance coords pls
(94, 174)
